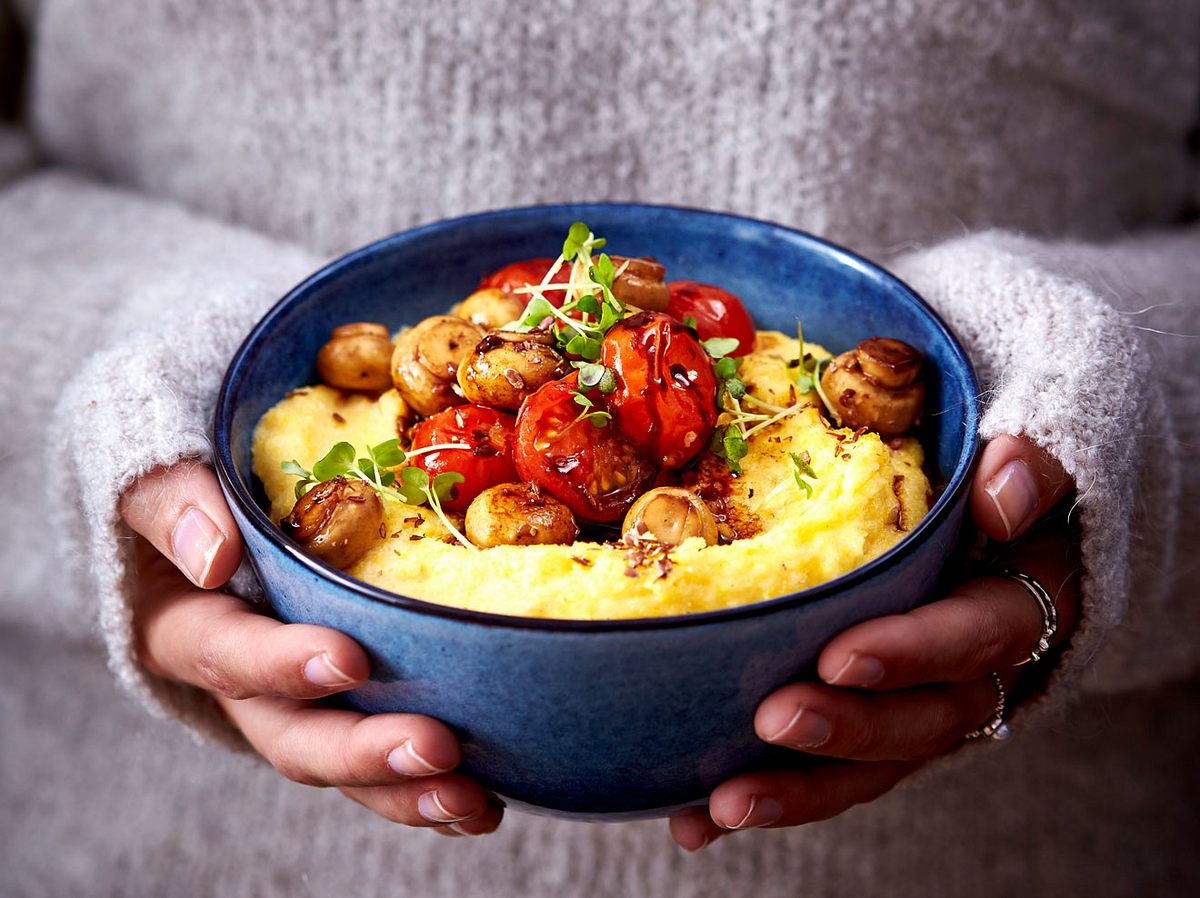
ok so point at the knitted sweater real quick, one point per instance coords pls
(241, 146)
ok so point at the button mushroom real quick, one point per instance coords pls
(519, 514)
(426, 359)
(877, 385)
(641, 283)
(338, 521)
(491, 308)
(357, 357)
(507, 366)
(671, 514)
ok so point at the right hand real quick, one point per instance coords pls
(264, 674)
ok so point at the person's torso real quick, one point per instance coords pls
(873, 123)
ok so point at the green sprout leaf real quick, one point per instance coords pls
(689, 321)
(294, 467)
(413, 484)
(725, 368)
(589, 304)
(603, 271)
(577, 235)
(599, 419)
(802, 469)
(388, 454)
(735, 388)
(336, 462)
(443, 485)
(719, 347)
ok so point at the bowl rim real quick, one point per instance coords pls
(234, 487)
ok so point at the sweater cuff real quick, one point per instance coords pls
(1058, 365)
(185, 292)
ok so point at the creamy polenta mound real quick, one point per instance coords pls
(866, 495)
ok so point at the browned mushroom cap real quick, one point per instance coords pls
(671, 514)
(490, 308)
(507, 366)
(518, 514)
(357, 357)
(338, 521)
(862, 399)
(641, 283)
(890, 363)
(426, 359)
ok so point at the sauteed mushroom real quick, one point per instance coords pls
(338, 520)
(519, 514)
(426, 359)
(506, 367)
(671, 514)
(877, 385)
(357, 357)
(491, 308)
(641, 284)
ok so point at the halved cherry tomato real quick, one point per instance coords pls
(718, 313)
(522, 274)
(594, 471)
(488, 462)
(666, 396)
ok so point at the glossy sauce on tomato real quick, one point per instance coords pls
(488, 462)
(595, 471)
(718, 313)
(666, 396)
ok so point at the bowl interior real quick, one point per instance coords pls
(781, 275)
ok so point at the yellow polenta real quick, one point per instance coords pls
(865, 497)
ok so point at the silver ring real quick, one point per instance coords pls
(994, 727)
(1045, 603)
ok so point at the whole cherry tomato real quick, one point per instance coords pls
(718, 313)
(522, 274)
(488, 462)
(594, 471)
(666, 396)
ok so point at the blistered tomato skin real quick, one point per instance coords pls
(488, 462)
(666, 396)
(523, 274)
(718, 313)
(595, 471)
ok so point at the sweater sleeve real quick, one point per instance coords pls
(1091, 351)
(129, 310)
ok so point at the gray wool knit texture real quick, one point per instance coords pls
(181, 164)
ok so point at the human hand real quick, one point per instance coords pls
(264, 674)
(896, 691)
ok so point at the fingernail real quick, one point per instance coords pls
(859, 671)
(806, 729)
(405, 760)
(704, 843)
(458, 828)
(1015, 495)
(430, 806)
(195, 541)
(321, 671)
(762, 812)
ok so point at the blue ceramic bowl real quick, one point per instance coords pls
(597, 719)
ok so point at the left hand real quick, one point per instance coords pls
(896, 691)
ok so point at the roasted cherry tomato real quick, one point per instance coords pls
(594, 471)
(718, 313)
(488, 462)
(666, 396)
(522, 274)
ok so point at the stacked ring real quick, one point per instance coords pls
(994, 727)
(1045, 603)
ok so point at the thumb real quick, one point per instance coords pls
(183, 514)
(1015, 484)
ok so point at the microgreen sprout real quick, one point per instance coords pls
(802, 464)
(809, 371)
(596, 376)
(412, 487)
(587, 291)
(597, 417)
